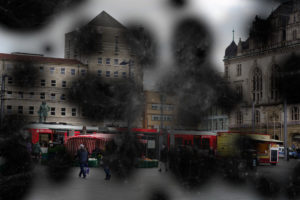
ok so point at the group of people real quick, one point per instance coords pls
(83, 156)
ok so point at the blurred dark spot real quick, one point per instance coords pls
(31, 14)
(267, 187)
(293, 187)
(59, 163)
(288, 79)
(193, 80)
(48, 48)
(190, 167)
(107, 99)
(177, 3)
(26, 75)
(85, 39)
(143, 45)
(261, 30)
(16, 172)
(159, 194)
(122, 155)
(191, 44)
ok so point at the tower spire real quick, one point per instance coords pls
(232, 34)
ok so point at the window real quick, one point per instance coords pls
(155, 106)
(41, 69)
(52, 70)
(107, 61)
(52, 111)
(257, 117)
(9, 93)
(42, 95)
(52, 96)
(294, 34)
(239, 70)
(63, 111)
(99, 73)
(116, 45)
(20, 109)
(295, 113)
(9, 80)
(31, 95)
(64, 84)
(63, 97)
(43, 83)
(99, 60)
(107, 73)
(226, 72)
(83, 72)
(20, 95)
(116, 61)
(31, 110)
(62, 71)
(257, 85)
(239, 118)
(73, 72)
(274, 83)
(8, 109)
(124, 74)
(162, 117)
(239, 91)
(116, 74)
(74, 112)
(53, 83)
(9, 67)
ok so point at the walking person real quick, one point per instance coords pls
(106, 168)
(82, 155)
(37, 151)
(163, 158)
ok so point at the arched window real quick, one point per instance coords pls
(257, 117)
(274, 83)
(295, 113)
(257, 85)
(239, 118)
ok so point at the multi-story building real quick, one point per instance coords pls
(160, 111)
(112, 59)
(251, 67)
(56, 76)
(112, 56)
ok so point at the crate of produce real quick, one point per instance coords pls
(93, 162)
(147, 163)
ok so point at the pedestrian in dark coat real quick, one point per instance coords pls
(164, 158)
(37, 151)
(82, 155)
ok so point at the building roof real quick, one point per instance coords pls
(231, 50)
(104, 19)
(284, 9)
(34, 58)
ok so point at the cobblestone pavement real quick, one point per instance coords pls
(142, 185)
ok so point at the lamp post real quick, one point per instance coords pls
(129, 63)
(2, 97)
(253, 117)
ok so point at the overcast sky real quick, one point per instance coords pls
(220, 16)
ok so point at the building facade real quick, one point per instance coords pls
(251, 68)
(112, 59)
(160, 111)
(111, 56)
(56, 76)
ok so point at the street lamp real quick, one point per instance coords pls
(129, 63)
